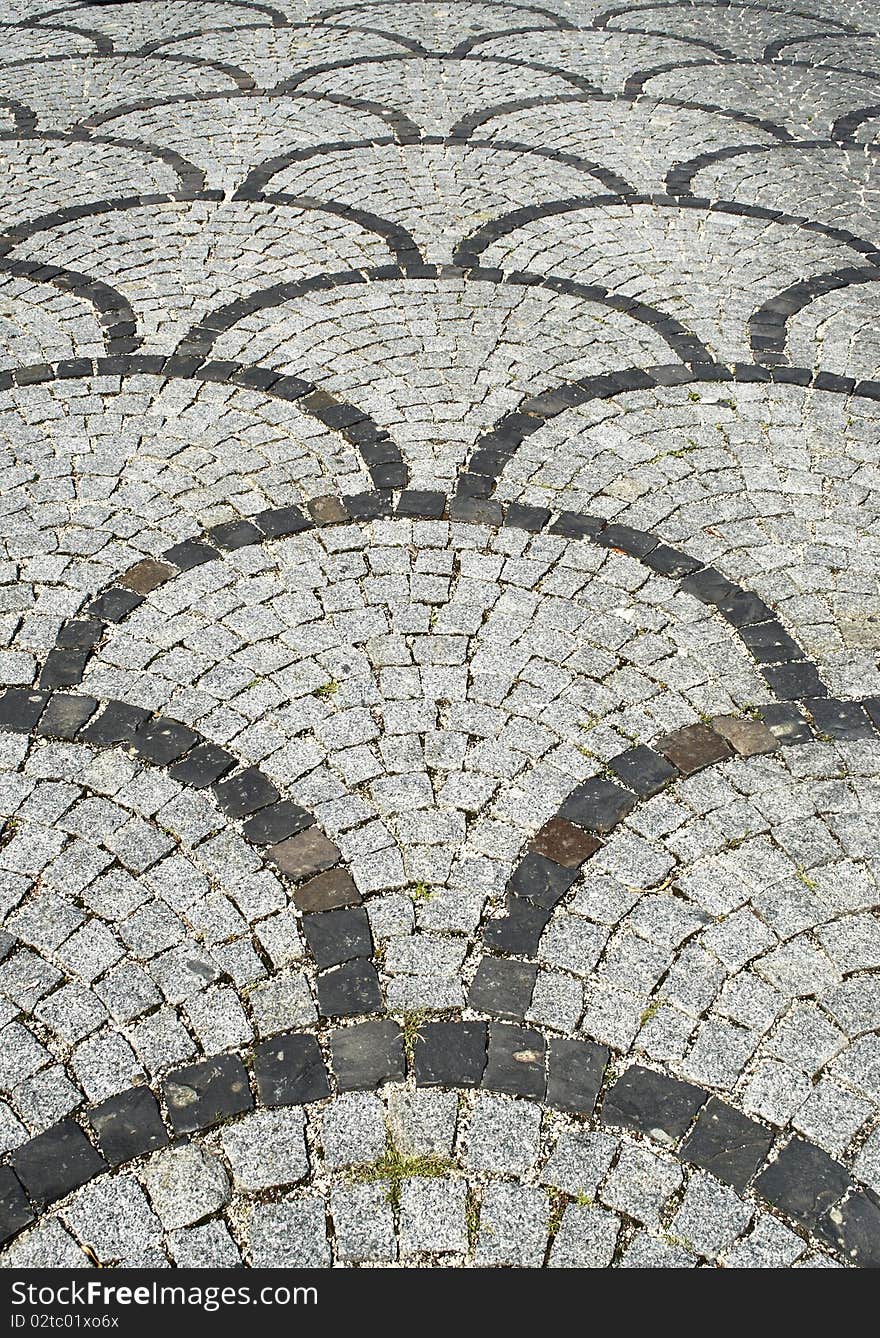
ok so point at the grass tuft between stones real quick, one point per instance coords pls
(395, 1166)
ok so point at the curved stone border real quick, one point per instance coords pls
(635, 84)
(380, 454)
(471, 249)
(464, 128)
(278, 18)
(768, 325)
(259, 176)
(845, 126)
(115, 316)
(405, 130)
(557, 20)
(495, 449)
(399, 242)
(285, 835)
(680, 177)
(199, 341)
(788, 672)
(189, 176)
(558, 853)
(601, 20)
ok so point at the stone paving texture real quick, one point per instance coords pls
(440, 634)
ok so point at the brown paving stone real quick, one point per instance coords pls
(694, 747)
(564, 843)
(327, 511)
(308, 853)
(328, 892)
(146, 576)
(749, 738)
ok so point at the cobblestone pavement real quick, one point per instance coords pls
(440, 728)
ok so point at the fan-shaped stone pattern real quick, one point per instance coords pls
(130, 28)
(778, 488)
(427, 691)
(256, 1194)
(668, 258)
(145, 932)
(26, 44)
(179, 260)
(740, 29)
(729, 930)
(90, 171)
(72, 89)
(640, 141)
(98, 475)
(804, 100)
(832, 185)
(852, 52)
(438, 27)
(607, 59)
(439, 192)
(227, 138)
(839, 330)
(435, 362)
(270, 55)
(38, 323)
(436, 94)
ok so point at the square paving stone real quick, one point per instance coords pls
(63, 668)
(245, 793)
(574, 1074)
(338, 936)
(367, 1054)
(841, 720)
(503, 988)
(291, 1234)
(433, 1216)
(727, 1143)
(54, 1163)
(787, 723)
(804, 1182)
(514, 1222)
(769, 643)
(201, 1095)
(519, 930)
(541, 880)
(145, 577)
(652, 1103)
(328, 892)
(163, 741)
(308, 853)
(694, 747)
(128, 1125)
(450, 1054)
(203, 766)
(515, 1061)
(598, 805)
(21, 708)
(235, 534)
(276, 823)
(794, 682)
(586, 1238)
(117, 723)
(15, 1207)
(279, 522)
(563, 843)
(65, 716)
(853, 1229)
(747, 738)
(643, 770)
(349, 990)
(290, 1071)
